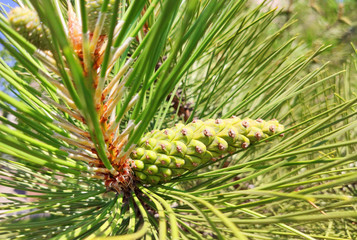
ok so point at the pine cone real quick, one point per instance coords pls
(93, 10)
(163, 154)
(26, 22)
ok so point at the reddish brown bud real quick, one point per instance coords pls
(198, 149)
(207, 133)
(258, 135)
(272, 128)
(221, 146)
(231, 133)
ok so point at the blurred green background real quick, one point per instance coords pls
(322, 22)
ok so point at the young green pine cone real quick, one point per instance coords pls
(163, 154)
(26, 22)
(93, 10)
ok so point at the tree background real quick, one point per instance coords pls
(302, 186)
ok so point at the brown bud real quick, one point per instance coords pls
(245, 124)
(231, 133)
(218, 121)
(244, 145)
(258, 135)
(198, 149)
(221, 146)
(272, 128)
(207, 133)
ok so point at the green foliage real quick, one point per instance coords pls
(163, 63)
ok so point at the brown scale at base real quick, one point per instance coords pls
(124, 181)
